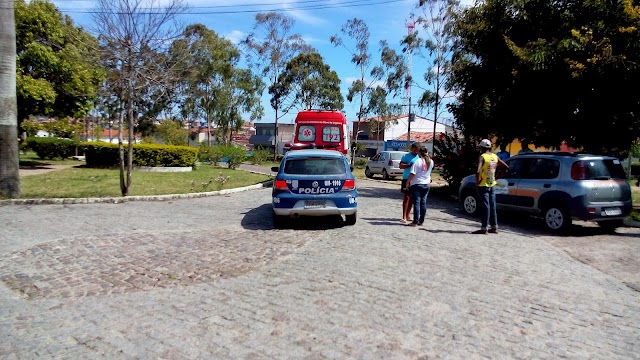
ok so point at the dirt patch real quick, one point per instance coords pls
(41, 169)
(616, 254)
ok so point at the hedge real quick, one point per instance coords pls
(635, 169)
(52, 148)
(101, 155)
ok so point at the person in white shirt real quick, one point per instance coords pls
(419, 183)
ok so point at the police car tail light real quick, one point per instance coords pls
(281, 185)
(349, 185)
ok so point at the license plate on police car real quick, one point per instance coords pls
(613, 212)
(314, 204)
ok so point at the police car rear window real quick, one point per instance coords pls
(314, 166)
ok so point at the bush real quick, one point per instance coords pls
(457, 157)
(101, 155)
(360, 163)
(209, 154)
(260, 155)
(234, 155)
(52, 148)
(635, 169)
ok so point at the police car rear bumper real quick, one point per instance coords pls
(315, 206)
(301, 211)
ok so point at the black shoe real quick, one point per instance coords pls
(493, 231)
(480, 232)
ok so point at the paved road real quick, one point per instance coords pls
(209, 278)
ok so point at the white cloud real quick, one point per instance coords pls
(235, 36)
(350, 79)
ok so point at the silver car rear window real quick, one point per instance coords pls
(608, 168)
(397, 156)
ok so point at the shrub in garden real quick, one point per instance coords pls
(99, 154)
(360, 163)
(52, 148)
(209, 154)
(260, 155)
(457, 156)
(235, 155)
(635, 169)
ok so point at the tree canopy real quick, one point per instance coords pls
(307, 83)
(550, 71)
(58, 67)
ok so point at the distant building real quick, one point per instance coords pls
(265, 136)
(373, 133)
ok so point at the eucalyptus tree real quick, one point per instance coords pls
(377, 81)
(393, 72)
(307, 83)
(363, 87)
(270, 46)
(9, 174)
(239, 96)
(436, 45)
(132, 33)
(207, 64)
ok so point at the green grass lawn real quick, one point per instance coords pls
(79, 182)
(635, 197)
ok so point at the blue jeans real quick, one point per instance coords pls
(488, 209)
(419, 194)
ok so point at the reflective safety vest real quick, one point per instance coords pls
(488, 170)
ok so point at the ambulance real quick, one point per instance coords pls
(321, 129)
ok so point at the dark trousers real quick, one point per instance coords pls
(419, 194)
(488, 214)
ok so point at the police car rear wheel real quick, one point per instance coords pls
(351, 219)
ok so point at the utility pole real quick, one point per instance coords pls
(9, 156)
(407, 85)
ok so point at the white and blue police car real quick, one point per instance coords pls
(314, 182)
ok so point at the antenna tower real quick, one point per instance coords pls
(407, 84)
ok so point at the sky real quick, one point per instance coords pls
(315, 20)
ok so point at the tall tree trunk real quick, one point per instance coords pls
(9, 161)
(123, 187)
(130, 123)
(275, 135)
(435, 115)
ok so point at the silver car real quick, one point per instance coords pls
(385, 163)
(558, 187)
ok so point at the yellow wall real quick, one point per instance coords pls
(515, 147)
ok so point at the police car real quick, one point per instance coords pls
(314, 182)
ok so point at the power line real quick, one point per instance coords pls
(344, 4)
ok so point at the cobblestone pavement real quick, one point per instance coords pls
(209, 278)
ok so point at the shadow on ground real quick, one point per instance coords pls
(261, 218)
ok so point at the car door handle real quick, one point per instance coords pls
(546, 186)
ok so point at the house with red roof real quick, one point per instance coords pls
(373, 132)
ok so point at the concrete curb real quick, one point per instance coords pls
(118, 200)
